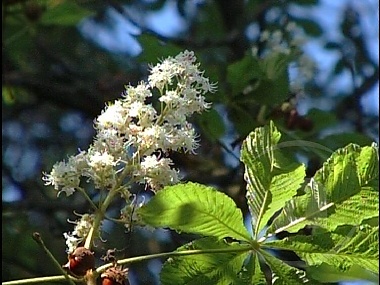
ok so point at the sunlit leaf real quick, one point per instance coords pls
(206, 268)
(340, 193)
(343, 248)
(282, 273)
(155, 50)
(195, 208)
(268, 188)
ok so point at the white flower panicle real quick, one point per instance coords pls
(130, 130)
(131, 133)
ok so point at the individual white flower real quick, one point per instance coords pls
(162, 74)
(64, 177)
(157, 173)
(102, 169)
(111, 141)
(171, 98)
(144, 112)
(184, 138)
(138, 93)
(186, 58)
(100, 160)
(80, 161)
(151, 139)
(115, 115)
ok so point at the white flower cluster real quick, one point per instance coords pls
(130, 131)
(133, 136)
(80, 232)
(284, 42)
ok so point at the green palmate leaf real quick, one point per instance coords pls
(345, 247)
(282, 273)
(283, 188)
(268, 186)
(206, 268)
(195, 208)
(343, 191)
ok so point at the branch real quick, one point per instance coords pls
(38, 239)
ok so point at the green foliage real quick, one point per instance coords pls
(212, 124)
(65, 14)
(155, 50)
(267, 77)
(338, 202)
(331, 274)
(268, 187)
(195, 208)
(310, 27)
(209, 268)
(341, 192)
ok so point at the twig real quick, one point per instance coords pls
(38, 239)
(37, 280)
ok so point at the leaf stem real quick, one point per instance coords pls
(240, 248)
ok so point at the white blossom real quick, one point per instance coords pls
(81, 230)
(64, 177)
(157, 172)
(113, 116)
(130, 133)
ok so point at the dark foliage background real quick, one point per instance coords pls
(59, 70)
